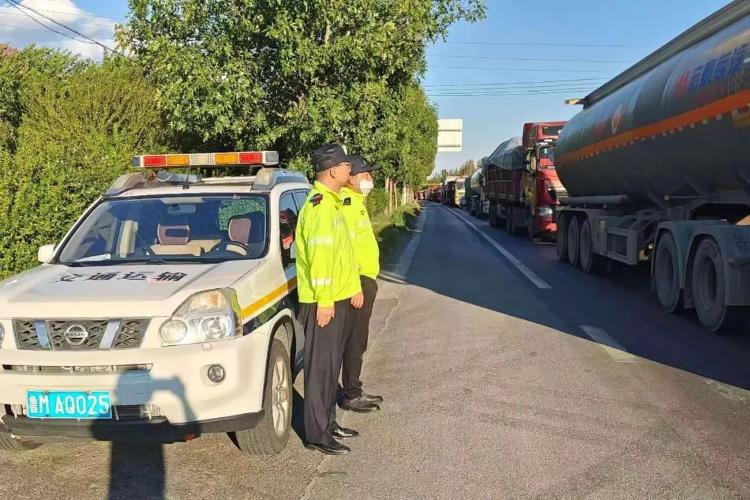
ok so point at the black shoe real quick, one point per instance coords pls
(334, 448)
(343, 432)
(358, 405)
(376, 400)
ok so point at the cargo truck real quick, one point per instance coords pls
(473, 193)
(521, 183)
(657, 171)
(453, 190)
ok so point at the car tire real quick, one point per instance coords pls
(271, 434)
(10, 443)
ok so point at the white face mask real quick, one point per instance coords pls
(366, 186)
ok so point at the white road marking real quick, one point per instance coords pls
(606, 342)
(530, 275)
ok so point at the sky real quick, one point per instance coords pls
(519, 64)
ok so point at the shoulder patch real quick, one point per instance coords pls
(316, 199)
(347, 201)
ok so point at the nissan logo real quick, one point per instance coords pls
(76, 335)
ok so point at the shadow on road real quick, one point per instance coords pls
(454, 261)
(137, 467)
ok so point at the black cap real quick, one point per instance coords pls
(359, 165)
(329, 155)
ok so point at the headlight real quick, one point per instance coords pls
(2, 334)
(204, 317)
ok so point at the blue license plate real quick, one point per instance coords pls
(78, 405)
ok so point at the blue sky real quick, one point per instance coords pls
(581, 44)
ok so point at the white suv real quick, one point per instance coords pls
(166, 312)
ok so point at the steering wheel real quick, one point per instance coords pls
(227, 247)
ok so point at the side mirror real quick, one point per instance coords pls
(45, 254)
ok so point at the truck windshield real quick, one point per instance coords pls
(550, 131)
(170, 229)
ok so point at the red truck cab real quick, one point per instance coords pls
(541, 185)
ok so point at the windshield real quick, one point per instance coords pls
(170, 229)
(550, 131)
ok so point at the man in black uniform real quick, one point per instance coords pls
(328, 286)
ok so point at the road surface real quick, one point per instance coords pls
(505, 373)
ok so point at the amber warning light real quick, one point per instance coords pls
(260, 158)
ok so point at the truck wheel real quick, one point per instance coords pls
(666, 277)
(271, 434)
(492, 216)
(10, 443)
(590, 261)
(573, 237)
(561, 240)
(708, 283)
(530, 226)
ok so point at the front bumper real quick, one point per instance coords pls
(155, 430)
(171, 381)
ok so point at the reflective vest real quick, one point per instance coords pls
(326, 267)
(366, 249)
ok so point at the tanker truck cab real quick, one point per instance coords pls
(166, 312)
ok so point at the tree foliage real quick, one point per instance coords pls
(75, 135)
(466, 169)
(292, 74)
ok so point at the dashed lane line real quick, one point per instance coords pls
(609, 344)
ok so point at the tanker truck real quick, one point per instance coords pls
(657, 172)
(473, 193)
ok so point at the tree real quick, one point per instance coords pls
(466, 169)
(76, 135)
(288, 74)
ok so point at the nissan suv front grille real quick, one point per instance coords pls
(79, 335)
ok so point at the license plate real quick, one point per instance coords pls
(78, 405)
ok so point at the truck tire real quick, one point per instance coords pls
(530, 226)
(589, 261)
(666, 277)
(492, 216)
(561, 238)
(271, 434)
(709, 289)
(573, 237)
(10, 443)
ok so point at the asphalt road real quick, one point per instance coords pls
(506, 375)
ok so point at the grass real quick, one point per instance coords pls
(391, 231)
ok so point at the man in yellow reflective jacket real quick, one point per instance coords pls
(329, 289)
(367, 254)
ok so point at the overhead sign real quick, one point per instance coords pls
(450, 135)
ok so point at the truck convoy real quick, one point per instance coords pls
(453, 190)
(520, 182)
(657, 171)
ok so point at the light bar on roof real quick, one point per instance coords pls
(260, 158)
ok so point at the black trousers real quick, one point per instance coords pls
(323, 351)
(356, 341)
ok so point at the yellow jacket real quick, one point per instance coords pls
(366, 249)
(326, 266)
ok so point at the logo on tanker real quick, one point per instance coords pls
(616, 119)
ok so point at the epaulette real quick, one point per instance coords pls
(316, 199)
(347, 201)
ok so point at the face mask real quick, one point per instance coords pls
(366, 186)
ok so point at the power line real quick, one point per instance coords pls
(452, 56)
(69, 14)
(512, 92)
(533, 70)
(44, 25)
(527, 82)
(18, 4)
(548, 44)
(82, 13)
